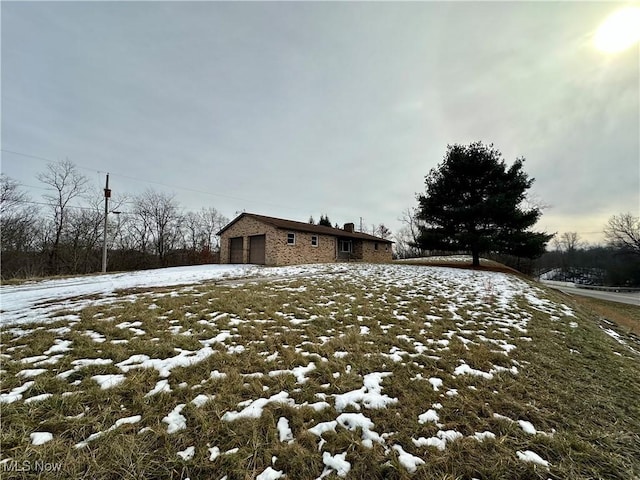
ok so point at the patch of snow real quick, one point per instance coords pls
(33, 301)
(532, 457)
(370, 395)
(439, 441)
(38, 398)
(465, 369)
(337, 462)
(284, 431)
(527, 427)
(214, 452)
(175, 420)
(187, 454)
(185, 358)
(298, 372)
(428, 416)
(436, 383)
(161, 386)
(201, 399)
(407, 460)
(482, 436)
(31, 372)
(270, 474)
(59, 346)
(255, 408)
(38, 438)
(323, 427)
(108, 381)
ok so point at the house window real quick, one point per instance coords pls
(375, 246)
(314, 240)
(345, 246)
(291, 238)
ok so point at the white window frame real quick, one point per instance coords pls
(315, 240)
(346, 242)
(291, 238)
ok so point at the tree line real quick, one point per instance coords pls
(473, 203)
(63, 233)
(616, 263)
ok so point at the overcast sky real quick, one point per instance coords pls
(297, 109)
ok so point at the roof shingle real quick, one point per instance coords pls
(305, 227)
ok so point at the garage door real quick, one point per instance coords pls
(236, 245)
(256, 249)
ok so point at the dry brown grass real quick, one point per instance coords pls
(624, 315)
(574, 383)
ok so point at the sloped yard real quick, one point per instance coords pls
(330, 371)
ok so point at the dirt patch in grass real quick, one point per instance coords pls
(624, 315)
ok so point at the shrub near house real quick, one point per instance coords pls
(258, 239)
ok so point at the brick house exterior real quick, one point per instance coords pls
(251, 238)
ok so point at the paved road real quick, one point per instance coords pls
(629, 298)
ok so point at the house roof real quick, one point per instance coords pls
(305, 227)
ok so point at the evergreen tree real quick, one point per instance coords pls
(324, 220)
(473, 202)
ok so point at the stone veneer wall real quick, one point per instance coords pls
(278, 252)
(246, 227)
(303, 251)
(370, 254)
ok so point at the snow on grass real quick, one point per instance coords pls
(161, 386)
(16, 394)
(32, 301)
(284, 431)
(532, 457)
(408, 461)
(255, 408)
(175, 420)
(187, 454)
(270, 474)
(343, 346)
(370, 395)
(122, 421)
(337, 462)
(164, 366)
(39, 438)
(108, 381)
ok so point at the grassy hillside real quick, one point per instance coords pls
(388, 371)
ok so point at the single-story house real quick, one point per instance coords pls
(257, 239)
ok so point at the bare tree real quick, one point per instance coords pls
(406, 239)
(568, 242)
(212, 221)
(160, 218)
(17, 218)
(382, 231)
(67, 184)
(623, 232)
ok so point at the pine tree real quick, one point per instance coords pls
(473, 202)
(324, 220)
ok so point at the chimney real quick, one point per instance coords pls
(349, 227)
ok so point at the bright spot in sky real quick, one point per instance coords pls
(619, 31)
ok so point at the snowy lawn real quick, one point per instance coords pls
(328, 371)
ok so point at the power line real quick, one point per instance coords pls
(129, 177)
(50, 205)
(48, 160)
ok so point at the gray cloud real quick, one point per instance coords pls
(295, 109)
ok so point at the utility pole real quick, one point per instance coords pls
(107, 195)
